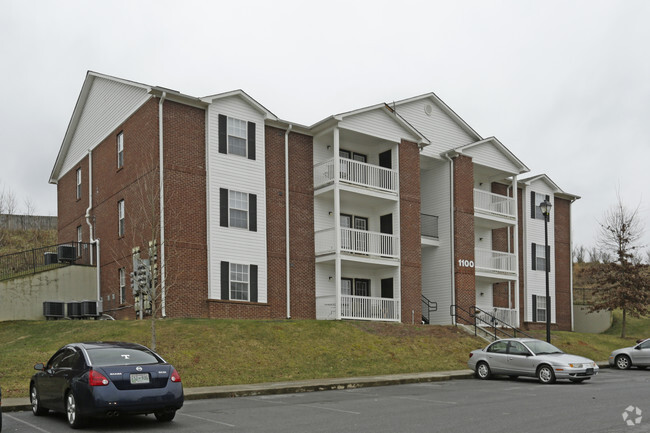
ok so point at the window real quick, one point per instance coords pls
(78, 183)
(120, 150)
(539, 258)
(236, 137)
(239, 282)
(238, 209)
(238, 205)
(122, 275)
(535, 200)
(498, 347)
(539, 308)
(120, 218)
(516, 348)
(79, 240)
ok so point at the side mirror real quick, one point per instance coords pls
(637, 347)
(39, 366)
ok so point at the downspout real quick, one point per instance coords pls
(162, 204)
(286, 217)
(571, 261)
(91, 229)
(515, 235)
(452, 234)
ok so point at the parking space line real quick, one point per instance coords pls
(330, 408)
(206, 419)
(26, 423)
(427, 400)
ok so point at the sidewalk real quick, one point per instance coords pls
(18, 404)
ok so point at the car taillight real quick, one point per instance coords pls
(97, 379)
(175, 376)
(471, 354)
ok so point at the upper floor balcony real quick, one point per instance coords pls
(356, 241)
(356, 173)
(494, 210)
(495, 263)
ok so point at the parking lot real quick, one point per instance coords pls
(499, 405)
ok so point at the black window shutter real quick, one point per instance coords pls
(223, 134)
(548, 258)
(534, 257)
(252, 212)
(548, 199)
(225, 281)
(533, 205)
(223, 207)
(253, 283)
(534, 308)
(251, 140)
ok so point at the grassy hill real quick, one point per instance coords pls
(222, 352)
(14, 241)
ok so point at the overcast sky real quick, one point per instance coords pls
(565, 85)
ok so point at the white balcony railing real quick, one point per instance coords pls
(496, 204)
(503, 315)
(369, 308)
(357, 242)
(495, 261)
(356, 173)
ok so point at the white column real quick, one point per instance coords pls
(337, 223)
(516, 248)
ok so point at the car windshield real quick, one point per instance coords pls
(120, 356)
(542, 347)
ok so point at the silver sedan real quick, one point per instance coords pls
(638, 356)
(530, 357)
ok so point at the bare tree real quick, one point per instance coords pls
(579, 254)
(625, 282)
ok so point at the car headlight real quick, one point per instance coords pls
(574, 365)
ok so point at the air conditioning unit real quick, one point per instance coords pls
(74, 310)
(53, 310)
(51, 258)
(89, 309)
(66, 253)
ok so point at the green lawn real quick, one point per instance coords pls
(224, 352)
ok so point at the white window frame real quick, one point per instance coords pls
(239, 282)
(122, 276)
(120, 218)
(120, 150)
(541, 261)
(540, 312)
(237, 129)
(78, 183)
(539, 198)
(238, 202)
(79, 239)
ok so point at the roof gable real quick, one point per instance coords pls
(268, 115)
(490, 152)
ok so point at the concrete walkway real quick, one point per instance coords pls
(17, 404)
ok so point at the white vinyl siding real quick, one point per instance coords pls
(234, 173)
(378, 123)
(107, 105)
(490, 155)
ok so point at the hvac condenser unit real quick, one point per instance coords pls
(74, 310)
(51, 258)
(66, 253)
(53, 310)
(89, 308)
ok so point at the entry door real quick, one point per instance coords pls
(345, 165)
(386, 227)
(386, 161)
(361, 287)
(361, 241)
(387, 288)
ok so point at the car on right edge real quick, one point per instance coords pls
(637, 356)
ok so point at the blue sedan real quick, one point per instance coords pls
(106, 379)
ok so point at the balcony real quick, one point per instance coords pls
(370, 308)
(429, 226)
(356, 173)
(495, 262)
(496, 205)
(355, 241)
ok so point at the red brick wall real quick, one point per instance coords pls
(562, 213)
(301, 218)
(71, 212)
(410, 243)
(464, 231)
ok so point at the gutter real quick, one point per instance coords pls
(90, 226)
(451, 225)
(286, 195)
(162, 205)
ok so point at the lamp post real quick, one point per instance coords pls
(545, 207)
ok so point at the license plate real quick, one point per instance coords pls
(138, 378)
(590, 371)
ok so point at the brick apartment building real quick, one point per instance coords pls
(362, 215)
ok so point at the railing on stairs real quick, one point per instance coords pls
(428, 307)
(474, 316)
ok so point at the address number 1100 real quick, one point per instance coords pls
(465, 263)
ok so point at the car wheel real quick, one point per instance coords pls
(72, 411)
(582, 379)
(165, 416)
(483, 371)
(623, 362)
(545, 374)
(37, 409)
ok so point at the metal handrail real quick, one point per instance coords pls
(29, 262)
(495, 323)
(428, 306)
